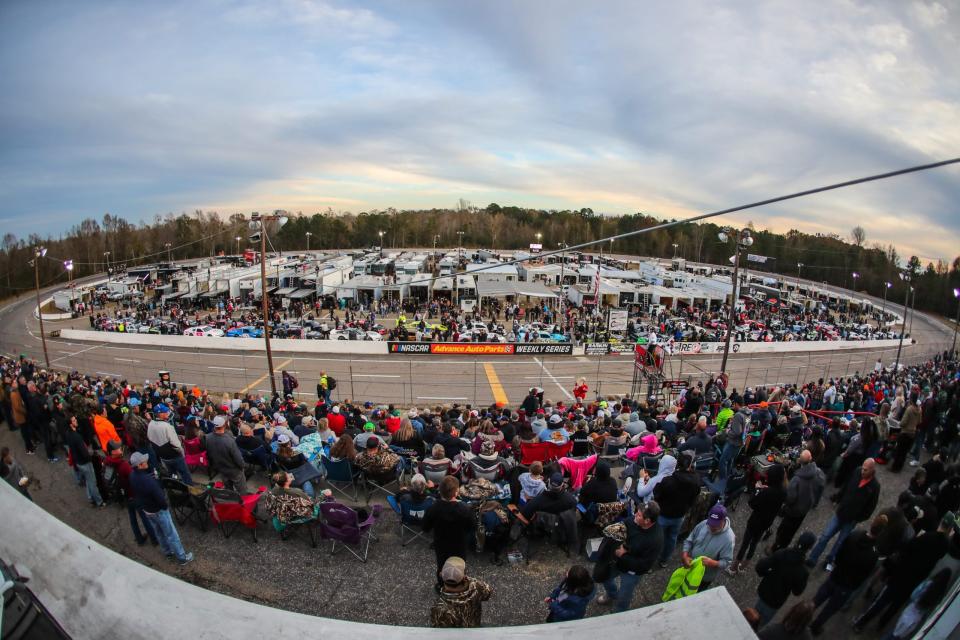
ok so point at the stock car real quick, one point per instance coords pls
(476, 335)
(245, 332)
(353, 333)
(540, 336)
(204, 330)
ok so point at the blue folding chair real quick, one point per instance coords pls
(410, 515)
(341, 476)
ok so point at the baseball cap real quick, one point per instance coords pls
(133, 402)
(369, 426)
(454, 570)
(138, 459)
(219, 421)
(556, 480)
(717, 517)
(336, 408)
(556, 419)
(283, 439)
(373, 442)
(161, 408)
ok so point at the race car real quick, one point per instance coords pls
(205, 331)
(245, 332)
(353, 333)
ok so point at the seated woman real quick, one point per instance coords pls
(488, 458)
(439, 462)
(601, 488)
(649, 446)
(417, 492)
(377, 461)
(287, 503)
(293, 461)
(581, 440)
(324, 432)
(343, 449)
(407, 438)
(488, 433)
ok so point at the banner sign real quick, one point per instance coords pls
(675, 386)
(618, 320)
(481, 348)
(597, 348)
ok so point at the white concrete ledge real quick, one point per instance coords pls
(95, 592)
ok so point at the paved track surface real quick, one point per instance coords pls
(428, 380)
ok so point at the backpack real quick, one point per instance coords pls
(294, 383)
(331, 383)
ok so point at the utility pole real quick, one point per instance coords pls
(903, 323)
(956, 324)
(38, 253)
(259, 222)
(740, 238)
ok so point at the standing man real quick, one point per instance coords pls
(908, 432)
(675, 495)
(714, 540)
(323, 388)
(803, 494)
(635, 557)
(224, 456)
(150, 498)
(164, 437)
(737, 426)
(461, 598)
(858, 499)
(83, 463)
(781, 574)
(451, 522)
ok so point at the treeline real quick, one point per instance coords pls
(832, 259)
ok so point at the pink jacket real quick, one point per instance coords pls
(578, 469)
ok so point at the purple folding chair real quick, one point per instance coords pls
(342, 524)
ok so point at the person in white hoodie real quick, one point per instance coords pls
(713, 540)
(667, 466)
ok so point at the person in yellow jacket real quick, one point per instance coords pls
(685, 581)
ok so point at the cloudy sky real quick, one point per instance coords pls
(671, 108)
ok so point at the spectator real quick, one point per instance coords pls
(675, 495)
(343, 449)
(451, 522)
(794, 626)
(766, 504)
(152, 500)
(781, 574)
(908, 431)
(855, 563)
(122, 468)
(803, 494)
(700, 443)
(856, 503)
(556, 499)
(635, 557)
(570, 599)
(83, 464)
(713, 539)
(601, 488)
(531, 482)
(13, 473)
(224, 456)
(336, 420)
(460, 597)
(164, 438)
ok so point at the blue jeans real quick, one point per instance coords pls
(727, 457)
(670, 528)
(308, 489)
(179, 467)
(767, 613)
(133, 511)
(835, 596)
(167, 534)
(834, 528)
(624, 595)
(90, 480)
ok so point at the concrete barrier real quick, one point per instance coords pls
(357, 347)
(95, 592)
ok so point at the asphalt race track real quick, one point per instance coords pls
(417, 380)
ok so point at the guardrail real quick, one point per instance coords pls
(95, 592)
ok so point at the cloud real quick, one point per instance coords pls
(668, 109)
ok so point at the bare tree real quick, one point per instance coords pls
(859, 235)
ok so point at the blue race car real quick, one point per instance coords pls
(245, 332)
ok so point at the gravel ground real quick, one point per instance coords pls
(395, 585)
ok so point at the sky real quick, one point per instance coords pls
(669, 108)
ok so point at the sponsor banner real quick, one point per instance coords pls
(621, 347)
(675, 386)
(618, 320)
(480, 348)
(597, 348)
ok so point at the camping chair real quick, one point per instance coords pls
(287, 528)
(615, 454)
(257, 458)
(410, 516)
(186, 503)
(651, 464)
(229, 510)
(195, 456)
(493, 474)
(544, 452)
(433, 473)
(342, 524)
(341, 476)
(408, 459)
(704, 463)
(374, 482)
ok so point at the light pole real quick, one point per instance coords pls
(742, 239)
(956, 323)
(68, 265)
(799, 267)
(169, 259)
(856, 276)
(913, 307)
(883, 310)
(308, 234)
(380, 233)
(436, 238)
(903, 324)
(257, 223)
(675, 247)
(38, 253)
(459, 247)
(238, 244)
(563, 288)
(106, 256)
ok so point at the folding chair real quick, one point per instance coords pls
(340, 523)
(341, 476)
(229, 510)
(287, 528)
(372, 483)
(410, 516)
(254, 458)
(187, 503)
(704, 463)
(434, 474)
(493, 474)
(194, 455)
(408, 458)
(614, 453)
(531, 452)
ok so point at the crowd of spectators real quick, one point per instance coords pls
(507, 480)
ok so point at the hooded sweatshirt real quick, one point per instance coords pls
(460, 606)
(648, 447)
(531, 487)
(804, 491)
(718, 546)
(667, 464)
